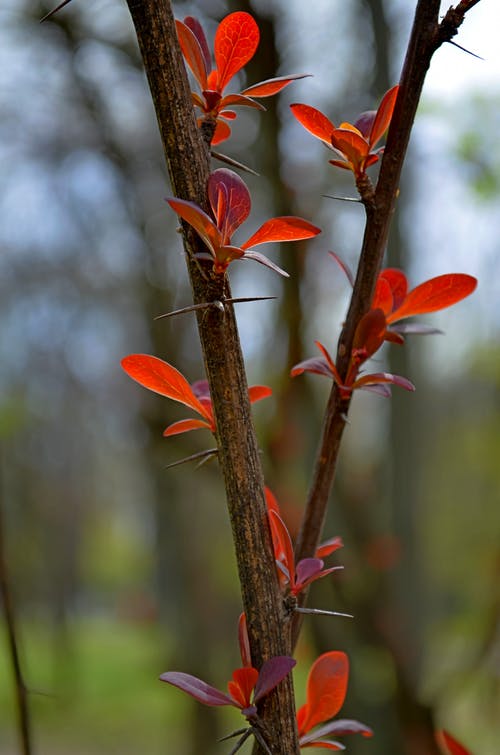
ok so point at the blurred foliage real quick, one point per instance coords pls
(122, 570)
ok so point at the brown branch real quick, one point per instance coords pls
(21, 691)
(187, 156)
(426, 36)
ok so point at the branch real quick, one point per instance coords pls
(426, 36)
(187, 157)
(21, 692)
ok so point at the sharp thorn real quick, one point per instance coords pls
(54, 10)
(231, 161)
(193, 457)
(233, 734)
(474, 55)
(241, 741)
(260, 739)
(342, 199)
(321, 612)
(241, 299)
(190, 308)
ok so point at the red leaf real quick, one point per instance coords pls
(193, 53)
(184, 425)
(384, 115)
(272, 86)
(316, 365)
(197, 29)
(236, 40)
(271, 674)
(351, 144)
(323, 743)
(330, 362)
(230, 201)
(282, 536)
(221, 133)
(314, 121)
(199, 220)
(326, 689)
(241, 687)
(284, 228)
(162, 378)
(258, 392)
(369, 334)
(398, 284)
(382, 298)
(343, 266)
(239, 99)
(328, 547)
(197, 688)
(435, 294)
(450, 745)
(246, 656)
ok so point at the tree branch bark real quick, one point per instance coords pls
(426, 37)
(188, 164)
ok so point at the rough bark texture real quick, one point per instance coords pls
(188, 163)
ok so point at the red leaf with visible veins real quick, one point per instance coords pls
(162, 378)
(236, 40)
(314, 121)
(326, 690)
(434, 294)
(450, 744)
(384, 115)
(229, 199)
(285, 228)
(272, 86)
(193, 53)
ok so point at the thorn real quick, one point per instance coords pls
(474, 55)
(218, 303)
(321, 612)
(260, 739)
(54, 10)
(239, 744)
(233, 734)
(193, 457)
(342, 199)
(344, 417)
(231, 161)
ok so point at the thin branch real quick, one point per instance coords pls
(21, 691)
(426, 36)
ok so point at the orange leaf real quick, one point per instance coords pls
(285, 228)
(236, 40)
(272, 86)
(398, 284)
(193, 54)
(435, 294)
(326, 689)
(258, 392)
(450, 744)
(199, 220)
(284, 553)
(222, 132)
(384, 115)
(351, 144)
(382, 299)
(244, 680)
(184, 425)
(314, 121)
(162, 378)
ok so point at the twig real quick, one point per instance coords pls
(21, 691)
(426, 36)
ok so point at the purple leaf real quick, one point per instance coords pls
(308, 569)
(197, 688)
(340, 727)
(318, 365)
(271, 674)
(258, 257)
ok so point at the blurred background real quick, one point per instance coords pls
(122, 569)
